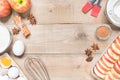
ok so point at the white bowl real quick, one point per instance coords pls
(113, 11)
(5, 38)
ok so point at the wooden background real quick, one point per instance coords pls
(57, 39)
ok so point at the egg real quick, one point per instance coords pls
(4, 77)
(20, 78)
(18, 48)
(13, 72)
(5, 62)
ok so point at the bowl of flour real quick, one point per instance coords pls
(5, 38)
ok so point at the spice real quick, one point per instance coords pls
(95, 47)
(103, 32)
(15, 30)
(32, 19)
(18, 21)
(89, 59)
(88, 52)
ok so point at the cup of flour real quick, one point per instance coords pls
(5, 38)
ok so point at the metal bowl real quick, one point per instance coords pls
(5, 38)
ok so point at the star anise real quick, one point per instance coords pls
(89, 59)
(95, 47)
(32, 19)
(88, 52)
(15, 31)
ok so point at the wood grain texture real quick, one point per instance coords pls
(61, 46)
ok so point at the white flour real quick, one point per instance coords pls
(4, 38)
(117, 11)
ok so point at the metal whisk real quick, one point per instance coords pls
(36, 68)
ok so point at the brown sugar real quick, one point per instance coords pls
(103, 31)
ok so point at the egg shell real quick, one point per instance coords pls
(4, 77)
(20, 78)
(18, 48)
(13, 72)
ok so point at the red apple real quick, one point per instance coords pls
(20, 6)
(5, 8)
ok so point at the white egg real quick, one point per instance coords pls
(18, 48)
(4, 77)
(20, 78)
(13, 72)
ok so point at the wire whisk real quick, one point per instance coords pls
(36, 68)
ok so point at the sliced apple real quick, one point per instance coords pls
(97, 73)
(110, 60)
(107, 62)
(115, 49)
(117, 68)
(107, 77)
(117, 44)
(114, 74)
(112, 55)
(102, 65)
(101, 69)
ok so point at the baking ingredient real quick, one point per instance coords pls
(95, 47)
(18, 48)
(16, 30)
(4, 77)
(13, 72)
(18, 21)
(89, 59)
(32, 19)
(26, 31)
(103, 32)
(20, 6)
(109, 64)
(20, 78)
(88, 52)
(5, 38)
(5, 8)
(117, 11)
(5, 61)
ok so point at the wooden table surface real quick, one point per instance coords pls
(61, 46)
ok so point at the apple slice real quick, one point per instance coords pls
(107, 77)
(110, 76)
(114, 74)
(117, 68)
(112, 55)
(97, 73)
(117, 44)
(107, 57)
(101, 64)
(101, 69)
(107, 62)
(115, 49)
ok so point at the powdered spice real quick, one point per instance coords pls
(103, 31)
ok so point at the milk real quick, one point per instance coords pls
(4, 38)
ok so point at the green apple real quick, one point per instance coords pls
(20, 6)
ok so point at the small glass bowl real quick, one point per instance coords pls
(106, 37)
